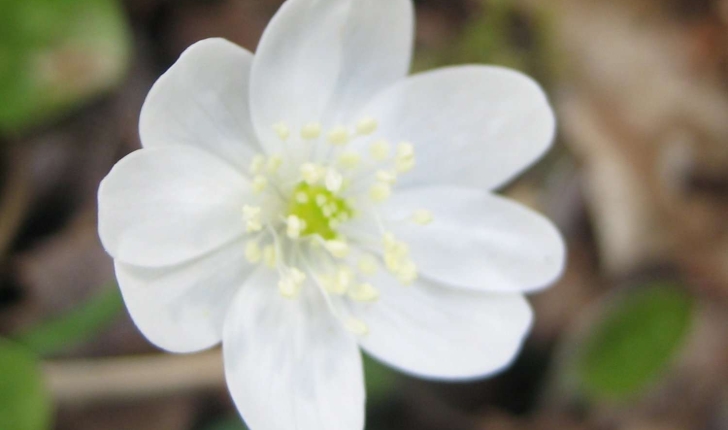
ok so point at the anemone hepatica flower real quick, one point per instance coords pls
(312, 200)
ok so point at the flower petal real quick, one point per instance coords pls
(182, 308)
(163, 206)
(478, 240)
(288, 364)
(321, 60)
(472, 126)
(202, 100)
(436, 332)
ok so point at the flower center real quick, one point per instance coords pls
(317, 211)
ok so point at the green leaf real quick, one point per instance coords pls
(55, 54)
(24, 402)
(77, 326)
(634, 341)
(380, 379)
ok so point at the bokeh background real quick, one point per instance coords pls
(635, 335)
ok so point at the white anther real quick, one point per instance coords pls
(311, 131)
(380, 192)
(282, 130)
(380, 150)
(321, 199)
(367, 265)
(269, 256)
(405, 150)
(349, 160)
(334, 181)
(366, 126)
(356, 326)
(422, 217)
(405, 165)
(337, 248)
(290, 285)
(364, 293)
(344, 277)
(295, 226)
(259, 184)
(327, 210)
(407, 272)
(251, 216)
(387, 177)
(257, 165)
(302, 197)
(338, 136)
(252, 252)
(274, 163)
(312, 173)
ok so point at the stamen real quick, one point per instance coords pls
(251, 216)
(257, 164)
(357, 327)
(364, 293)
(368, 265)
(274, 163)
(366, 126)
(312, 173)
(338, 136)
(295, 226)
(337, 248)
(422, 217)
(380, 192)
(282, 130)
(252, 252)
(387, 177)
(269, 256)
(339, 283)
(311, 131)
(380, 150)
(349, 160)
(405, 157)
(407, 272)
(259, 184)
(289, 286)
(334, 181)
(302, 197)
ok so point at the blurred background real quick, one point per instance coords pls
(635, 335)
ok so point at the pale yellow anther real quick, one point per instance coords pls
(380, 150)
(269, 256)
(344, 278)
(405, 150)
(328, 210)
(356, 326)
(288, 288)
(387, 177)
(366, 126)
(311, 131)
(338, 136)
(349, 160)
(312, 173)
(253, 252)
(274, 163)
(260, 182)
(282, 130)
(364, 293)
(321, 200)
(251, 216)
(380, 192)
(302, 197)
(405, 165)
(337, 248)
(257, 165)
(343, 217)
(368, 265)
(334, 181)
(407, 272)
(422, 217)
(298, 276)
(295, 226)
(334, 224)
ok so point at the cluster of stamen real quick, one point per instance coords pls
(304, 198)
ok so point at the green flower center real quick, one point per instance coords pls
(321, 210)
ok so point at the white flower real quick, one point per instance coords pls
(313, 200)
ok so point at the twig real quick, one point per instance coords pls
(131, 378)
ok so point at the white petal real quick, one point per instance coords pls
(163, 206)
(202, 100)
(437, 332)
(478, 240)
(473, 126)
(321, 60)
(182, 308)
(288, 363)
